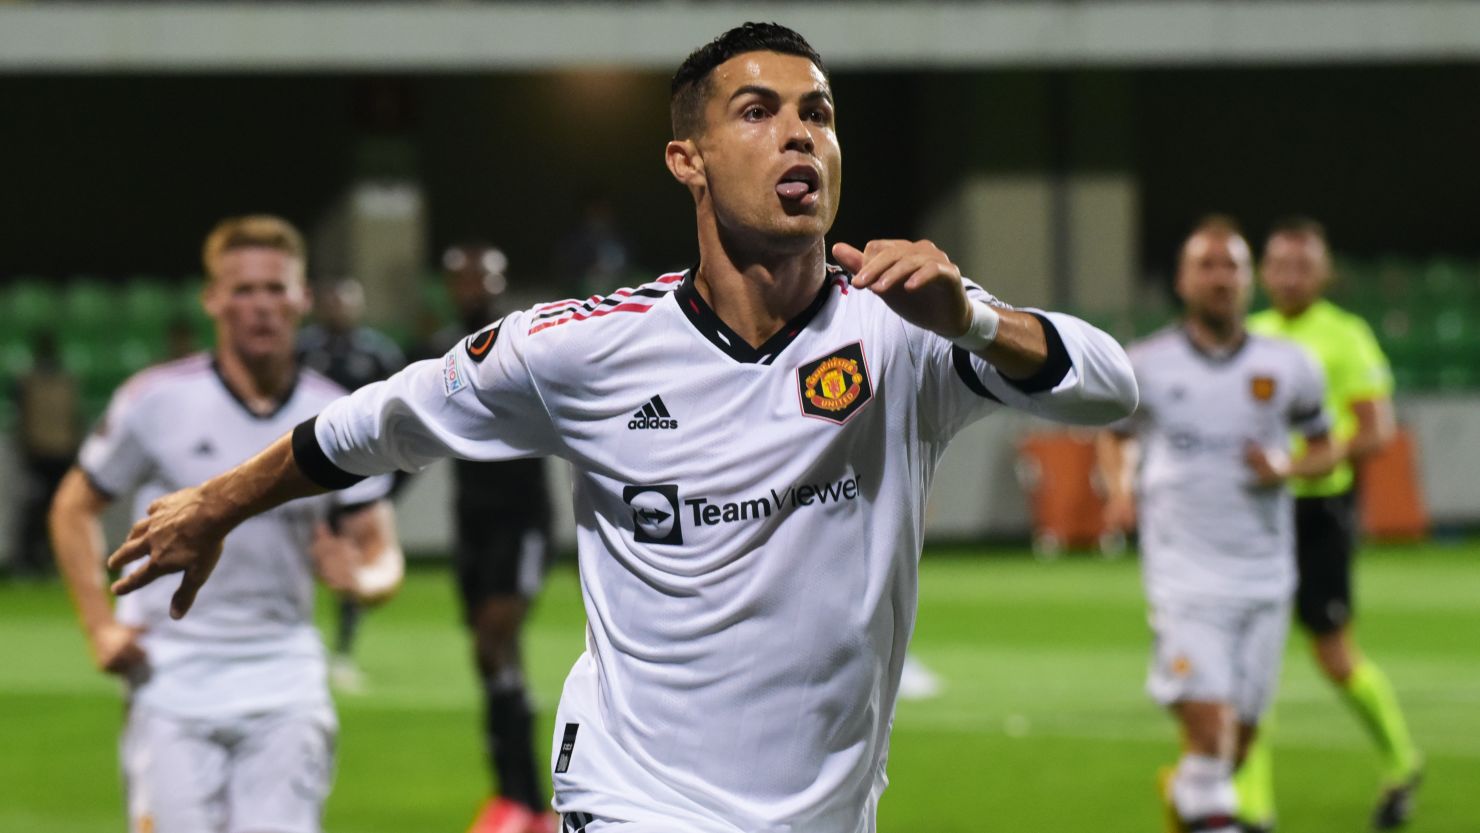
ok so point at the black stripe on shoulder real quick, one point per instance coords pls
(1055, 367)
(1305, 415)
(314, 463)
(962, 361)
(96, 486)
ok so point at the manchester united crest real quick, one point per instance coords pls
(835, 386)
(1262, 388)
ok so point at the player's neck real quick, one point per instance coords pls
(757, 295)
(1215, 337)
(262, 384)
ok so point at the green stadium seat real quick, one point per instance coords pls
(89, 302)
(150, 303)
(15, 355)
(1451, 281)
(32, 305)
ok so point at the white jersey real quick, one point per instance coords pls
(748, 522)
(1206, 529)
(249, 643)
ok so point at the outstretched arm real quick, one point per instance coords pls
(183, 531)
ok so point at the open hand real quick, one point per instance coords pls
(916, 280)
(180, 533)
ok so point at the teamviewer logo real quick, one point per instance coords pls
(654, 513)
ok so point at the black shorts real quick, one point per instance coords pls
(499, 554)
(1325, 540)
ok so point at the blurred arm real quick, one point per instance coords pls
(1116, 455)
(364, 559)
(77, 538)
(1375, 427)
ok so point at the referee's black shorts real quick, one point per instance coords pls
(499, 554)
(1325, 541)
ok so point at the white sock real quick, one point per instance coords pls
(1203, 788)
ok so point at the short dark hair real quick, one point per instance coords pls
(1298, 226)
(691, 83)
(1220, 224)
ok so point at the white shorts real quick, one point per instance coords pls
(1218, 651)
(264, 773)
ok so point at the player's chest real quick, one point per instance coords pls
(1246, 397)
(691, 418)
(195, 444)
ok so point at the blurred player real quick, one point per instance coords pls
(1296, 269)
(1217, 406)
(230, 727)
(502, 523)
(352, 355)
(751, 443)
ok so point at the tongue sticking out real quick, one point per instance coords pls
(792, 190)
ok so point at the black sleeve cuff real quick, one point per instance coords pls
(314, 463)
(1055, 366)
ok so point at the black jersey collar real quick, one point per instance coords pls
(711, 327)
(276, 409)
(1221, 357)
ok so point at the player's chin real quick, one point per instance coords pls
(802, 220)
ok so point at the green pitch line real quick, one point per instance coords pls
(1042, 724)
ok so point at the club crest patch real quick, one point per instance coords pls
(1262, 388)
(835, 386)
(480, 344)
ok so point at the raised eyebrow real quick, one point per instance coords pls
(757, 90)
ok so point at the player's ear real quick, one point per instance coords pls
(210, 297)
(685, 162)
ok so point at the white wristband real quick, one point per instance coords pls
(982, 330)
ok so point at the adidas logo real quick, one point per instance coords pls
(653, 415)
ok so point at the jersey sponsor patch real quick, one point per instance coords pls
(480, 344)
(654, 513)
(1262, 388)
(454, 378)
(835, 386)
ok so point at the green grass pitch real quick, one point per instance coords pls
(1042, 726)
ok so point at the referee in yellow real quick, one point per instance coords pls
(1295, 270)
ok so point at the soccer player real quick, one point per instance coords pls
(229, 727)
(1295, 270)
(751, 442)
(352, 355)
(1217, 407)
(502, 523)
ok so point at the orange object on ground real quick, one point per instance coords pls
(1390, 494)
(1057, 470)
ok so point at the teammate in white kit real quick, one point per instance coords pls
(230, 728)
(1216, 521)
(751, 443)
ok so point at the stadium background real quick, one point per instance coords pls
(1057, 150)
